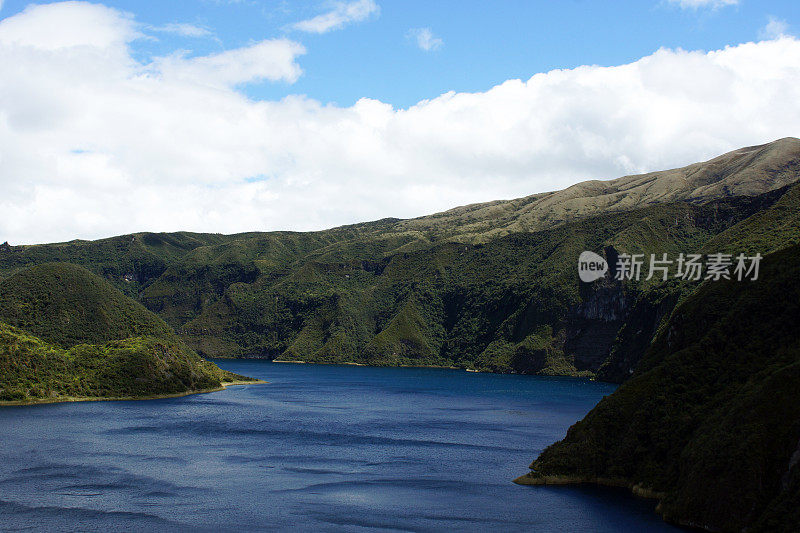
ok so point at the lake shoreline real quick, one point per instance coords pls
(575, 375)
(578, 375)
(637, 490)
(70, 399)
(533, 479)
(350, 363)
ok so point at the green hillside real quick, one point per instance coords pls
(65, 304)
(134, 262)
(128, 261)
(510, 305)
(66, 333)
(137, 367)
(710, 421)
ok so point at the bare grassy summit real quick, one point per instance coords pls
(747, 171)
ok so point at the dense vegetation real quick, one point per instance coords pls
(710, 421)
(65, 304)
(136, 367)
(511, 304)
(66, 333)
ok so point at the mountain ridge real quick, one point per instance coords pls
(739, 172)
(735, 173)
(500, 300)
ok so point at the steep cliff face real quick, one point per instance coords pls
(591, 326)
(609, 331)
(612, 327)
(636, 334)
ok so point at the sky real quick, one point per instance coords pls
(256, 115)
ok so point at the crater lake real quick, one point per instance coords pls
(324, 448)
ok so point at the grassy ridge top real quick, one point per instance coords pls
(745, 172)
(142, 257)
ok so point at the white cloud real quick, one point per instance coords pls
(343, 13)
(272, 60)
(68, 24)
(697, 4)
(425, 39)
(774, 28)
(184, 29)
(95, 143)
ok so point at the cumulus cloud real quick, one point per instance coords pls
(94, 142)
(68, 24)
(342, 14)
(697, 4)
(425, 39)
(774, 28)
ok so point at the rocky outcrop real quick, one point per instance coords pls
(591, 326)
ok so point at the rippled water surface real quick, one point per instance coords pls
(318, 448)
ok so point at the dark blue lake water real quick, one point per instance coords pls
(321, 448)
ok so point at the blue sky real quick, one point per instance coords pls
(483, 43)
(119, 116)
